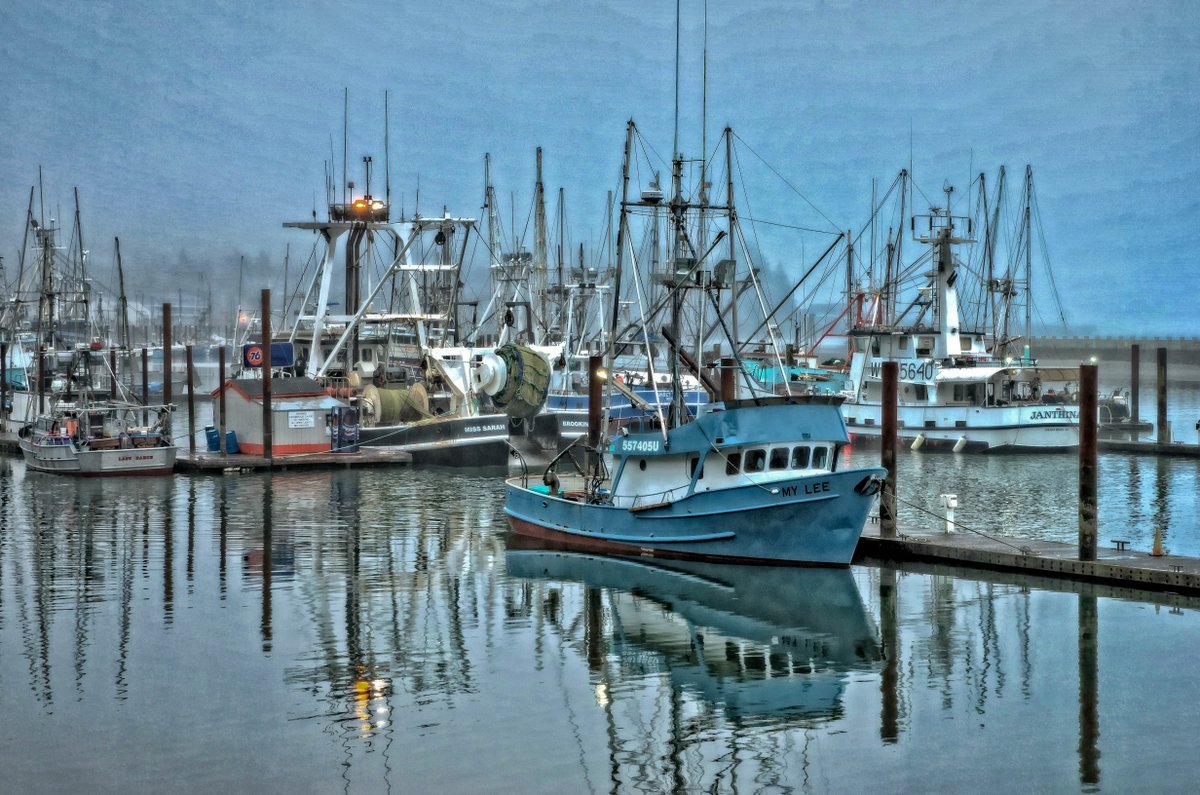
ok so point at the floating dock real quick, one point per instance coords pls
(213, 463)
(1149, 448)
(1113, 566)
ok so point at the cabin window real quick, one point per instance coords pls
(920, 392)
(779, 458)
(924, 346)
(904, 343)
(875, 347)
(968, 393)
(367, 354)
(967, 344)
(694, 462)
(733, 463)
(756, 460)
(800, 457)
(820, 457)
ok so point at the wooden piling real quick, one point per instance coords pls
(220, 423)
(1164, 430)
(191, 389)
(41, 376)
(166, 374)
(1088, 407)
(595, 412)
(145, 384)
(1089, 678)
(266, 374)
(1135, 374)
(887, 458)
(889, 678)
(728, 378)
(3, 384)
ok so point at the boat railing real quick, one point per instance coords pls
(340, 384)
(655, 499)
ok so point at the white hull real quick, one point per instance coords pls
(65, 459)
(977, 428)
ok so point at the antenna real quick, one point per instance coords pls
(675, 145)
(704, 100)
(387, 168)
(345, 138)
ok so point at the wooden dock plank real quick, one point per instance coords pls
(1127, 567)
(216, 463)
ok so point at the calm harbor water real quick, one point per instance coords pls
(373, 631)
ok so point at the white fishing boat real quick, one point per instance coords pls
(91, 439)
(955, 390)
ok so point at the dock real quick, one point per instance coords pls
(1115, 567)
(215, 463)
(1178, 449)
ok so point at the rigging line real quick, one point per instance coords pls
(786, 226)
(928, 200)
(874, 211)
(649, 147)
(797, 285)
(638, 289)
(822, 320)
(784, 179)
(746, 197)
(1023, 550)
(771, 329)
(1037, 214)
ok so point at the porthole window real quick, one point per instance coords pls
(642, 464)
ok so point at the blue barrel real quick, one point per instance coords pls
(214, 439)
(231, 445)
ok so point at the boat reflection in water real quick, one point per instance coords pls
(759, 642)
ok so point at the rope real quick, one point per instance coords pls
(1023, 550)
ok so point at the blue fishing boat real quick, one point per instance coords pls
(746, 481)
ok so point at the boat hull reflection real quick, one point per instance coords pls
(775, 643)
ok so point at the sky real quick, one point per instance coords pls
(194, 130)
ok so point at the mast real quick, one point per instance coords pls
(678, 209)
(542, 325)
(849, 285)
(122, 302)
(84, 288)
(1028, 260)
(621, 231)
(562, 222)
(287, 256)
(732, 213)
